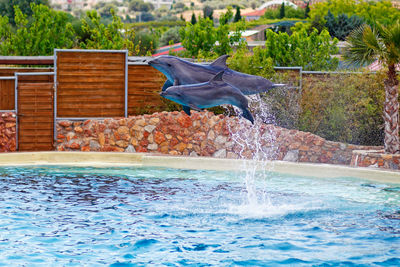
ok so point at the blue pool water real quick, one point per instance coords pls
(63, 216)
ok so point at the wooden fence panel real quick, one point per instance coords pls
(7, 94)
(7, 87)
(7, 71)
(144, 87)
(90, 84)
(35, 113)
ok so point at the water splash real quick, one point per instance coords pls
(256, 144)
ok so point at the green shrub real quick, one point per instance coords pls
(312, 51)
(34, 37)
(371, 11)
(100, 36)
(145, 42)
(344, 107)
(170, 35)
(204, 40)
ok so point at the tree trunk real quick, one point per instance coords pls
(391, 112)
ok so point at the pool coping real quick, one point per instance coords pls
(108, 159)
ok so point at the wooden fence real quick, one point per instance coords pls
(7, 84)
(7, 93)
(93, 86)
(35, 111)
(90, 84)
(85, 84)
(144, 86)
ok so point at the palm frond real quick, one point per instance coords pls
(391, 38)
(364, 46)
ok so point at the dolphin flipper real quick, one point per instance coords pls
(246, 114)
(278, 85)
(167, 84)
(186, 109)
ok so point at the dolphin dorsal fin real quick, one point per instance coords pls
(217, 77)
(220, 62)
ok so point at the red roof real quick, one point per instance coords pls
(165, 49)
(258, 13)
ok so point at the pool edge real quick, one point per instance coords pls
(106, 159)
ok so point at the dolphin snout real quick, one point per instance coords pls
(152, 62)
(162, 93)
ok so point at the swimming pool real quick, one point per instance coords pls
(128, 216)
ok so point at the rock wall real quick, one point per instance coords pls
(375, 159)
(201, 134)
(7, 132)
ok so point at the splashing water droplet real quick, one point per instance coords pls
(256, 143)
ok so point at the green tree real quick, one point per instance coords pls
(371, 11)
(145, 16)
(367, 44)
(145, 42)
(7, 7)
(341, 26)
(307, 10)
(100, 36)
(179, 5)
(146, 7)
(36, 38)
(105, 11)
(237, 15)
(289, 12)
(198, 37)
(226, 17)
(171, 35)
(312, 51)
(206, 40)
(5, 36)
(140, 5)
(282, 11)
(208, 12)
(193, 20)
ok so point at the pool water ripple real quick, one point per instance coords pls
(65, 216)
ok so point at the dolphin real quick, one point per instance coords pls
(213, 93)
(182, 72)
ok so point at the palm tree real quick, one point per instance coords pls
(367, 44)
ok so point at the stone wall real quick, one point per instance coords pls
(7, 132)
(201, 134)
(375, 159)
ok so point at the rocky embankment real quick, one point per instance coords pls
(201, 134)
(7, 132)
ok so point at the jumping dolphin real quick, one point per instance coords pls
(182, 72)
(213, 93)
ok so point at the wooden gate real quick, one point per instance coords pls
(35, 113)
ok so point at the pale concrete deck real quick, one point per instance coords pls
(105, 159)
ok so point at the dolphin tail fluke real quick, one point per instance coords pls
(186, 109)
(247, 114)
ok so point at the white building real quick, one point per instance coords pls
(160, 3)
(78, 4)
